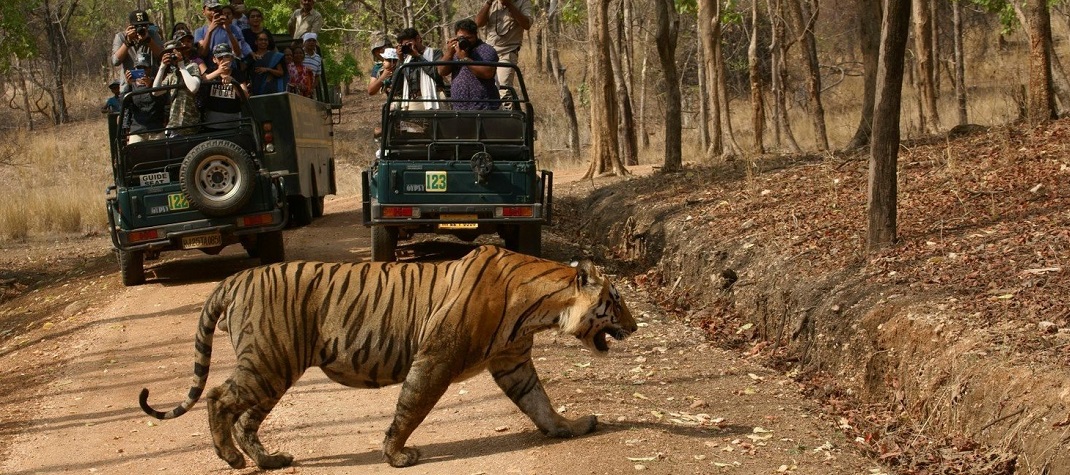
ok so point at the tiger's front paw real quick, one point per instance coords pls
(574, 428)
(403, 458)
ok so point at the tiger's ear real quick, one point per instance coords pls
(586, 273)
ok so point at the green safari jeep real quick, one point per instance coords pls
(203, 191)
(464, 173)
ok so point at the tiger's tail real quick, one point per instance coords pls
(213, 309)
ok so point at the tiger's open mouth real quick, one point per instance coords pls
(600, 338)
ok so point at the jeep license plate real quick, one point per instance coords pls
(459, 217)
(159, 178)
(202, 240)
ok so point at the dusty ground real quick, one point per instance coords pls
(76, 354)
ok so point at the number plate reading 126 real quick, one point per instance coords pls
(435, 181)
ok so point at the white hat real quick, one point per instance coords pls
(390, 53)
(308, 36)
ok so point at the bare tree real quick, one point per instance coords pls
(926, 77)
(804, 15)
(779, 50)
(55, 19)
(1041, 96)
(628, 142)
(644, 137)
(720, 88)
(869, 32)
(668, 22)
(605, 151)
(755, 73)
(553, 27)
(884, 150)
(708, 42)
(960, 66)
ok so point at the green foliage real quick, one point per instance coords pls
(731, 14)
(16, 40)
(574, 12)
(341, 71)
(1004, 10)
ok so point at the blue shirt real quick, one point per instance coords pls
(220, 36)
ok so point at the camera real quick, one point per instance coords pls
(173, 57)
(142, 31)
(406, 48)
(463, 43)
(137, 73)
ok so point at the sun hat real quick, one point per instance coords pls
(309, 36)
(390, 53)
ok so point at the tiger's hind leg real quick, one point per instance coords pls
(224, 407)
(521, 383)
(246, 432)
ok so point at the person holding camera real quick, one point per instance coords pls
(503, 23)
(140, 42)
(420, 83)
(176, 70)
(218, 30)
(145, 115)
(472, 86)
(222, 104)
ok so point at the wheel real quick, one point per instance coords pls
(300, 211)
(271, 248)
(384, 244)
(218, 177)
(317, 200)
(132, 267)
(529, 239)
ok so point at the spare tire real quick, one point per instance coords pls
(218, 177)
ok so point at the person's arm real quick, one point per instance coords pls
(485, 52)
(155, 44)
(192, 81)
(291, 25)
(120, 47)
(450, 53)
(315, 23)
(203, 48)
(519, 15)
(377, 82)
(484, 14)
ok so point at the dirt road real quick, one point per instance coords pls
(667, 401)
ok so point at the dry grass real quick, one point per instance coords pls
(56, 182)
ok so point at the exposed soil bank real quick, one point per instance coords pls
(949, 348)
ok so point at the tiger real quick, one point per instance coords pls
(372, 324)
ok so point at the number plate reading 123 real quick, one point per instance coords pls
(435, 181)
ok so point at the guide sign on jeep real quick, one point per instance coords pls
(217, 183)
(464, 173)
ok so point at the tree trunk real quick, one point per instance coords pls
(1041, 98)
(447, 19)
(869, 30)
(720, 87)
(923, 32)
(1060, 84)
(884, 150)
(57, 52)
(553, 27)
(644, 137)
(960, 66)
(708, 41)
(605, 150)
(626, 127)
(703, 99)
(628, 46)
(805, 19)
(668, 24)
(755, 73)
(782, 127)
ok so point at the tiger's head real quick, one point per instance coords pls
(597, 311)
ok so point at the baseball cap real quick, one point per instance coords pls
(212, 4)
(139, 17)
(390, 53)
(309, 36)
(113, 83)
(381, 43)
(222, 49)
(180, 34)
(170, 45)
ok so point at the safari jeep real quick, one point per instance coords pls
(465, 173)
(202, 191)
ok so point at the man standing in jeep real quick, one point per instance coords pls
(139, 43)
(503, 23)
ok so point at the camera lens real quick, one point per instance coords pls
(142, 30)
